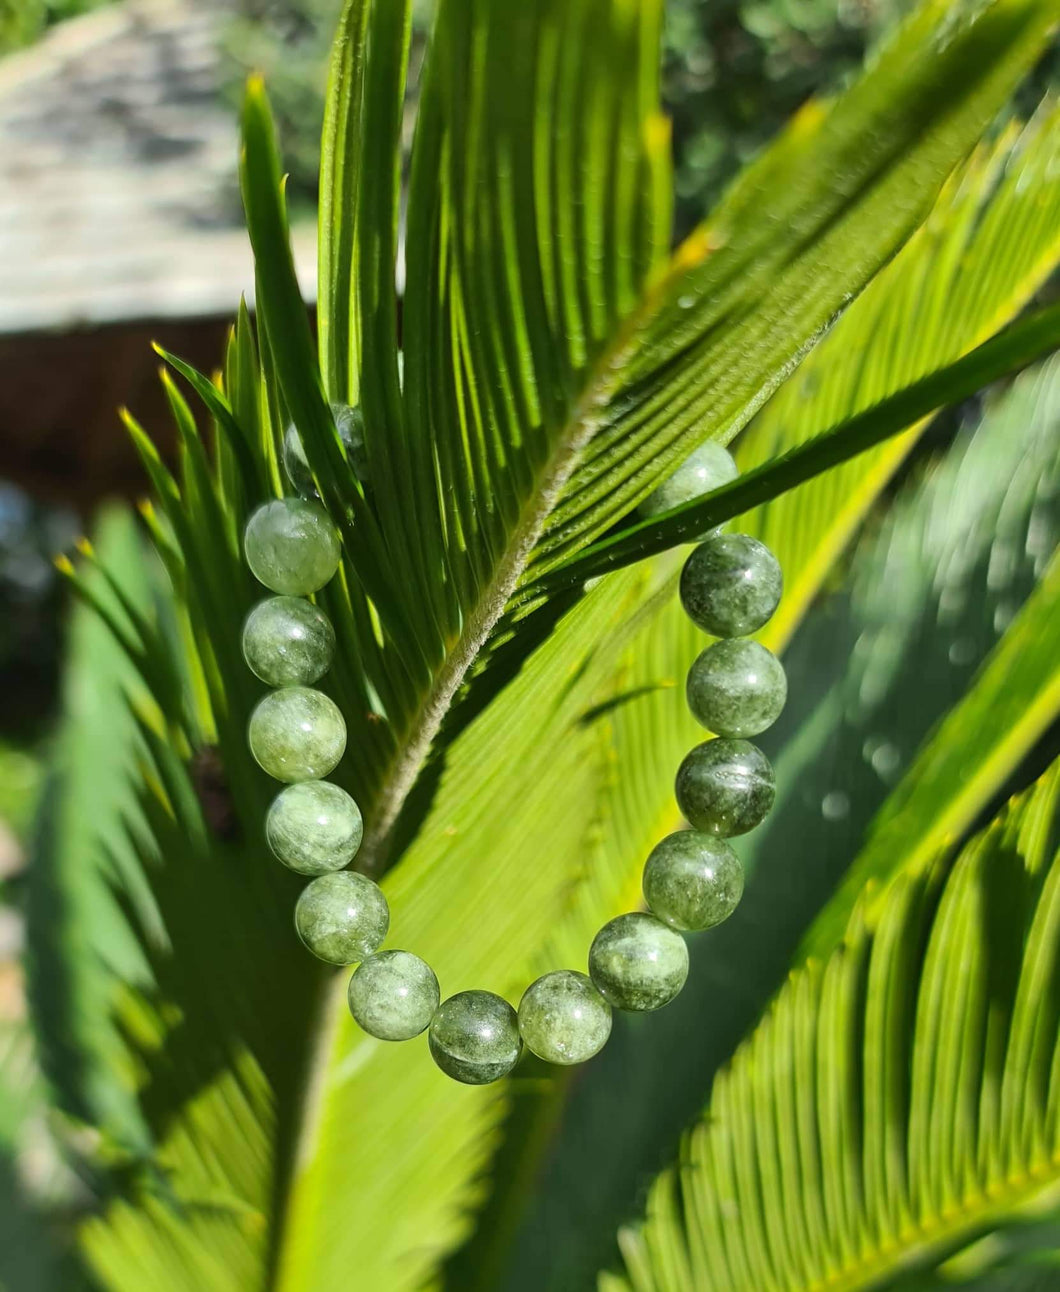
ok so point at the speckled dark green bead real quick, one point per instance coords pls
(731, 584)
(287, 641)
(393, 995)
(736, 688)
(291, 546)
(704, 470)
(474, 1037)
(637, 962)
(342, 917)
(297, 734)
(725, 787)
(563, 1018)
(350, 425)
(692, 880)
(314, 827)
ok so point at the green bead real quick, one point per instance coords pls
(692, 880)
(563, 1018)
(291, 546)
(296, 464)
(731, 585)
(287, 641)
(350, 425)
(637, 962)
(736, 688)
(314, 827)
(350, 422)
(297, 734)
(393, 995)
(342, 917)
(474, 1037)
(704, 470)
(725, 787)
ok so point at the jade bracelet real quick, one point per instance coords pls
(730, 586)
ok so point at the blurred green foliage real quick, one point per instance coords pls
(23, 21)
(735, 71)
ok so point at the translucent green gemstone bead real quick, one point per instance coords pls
(291, 546)
(474, 1037)
(731, 585)
(692, 880)
(563, 1018)
(314, 827)
(736, 688)
(287, 641)
(350, 425)
(393, 995)
(342, 917)
(704, 470)
(637, 962)
(725, 787)
(297, 734)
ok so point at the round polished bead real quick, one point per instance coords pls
(704, 470)
(731, 585)
(725, 787)
(297, 734)
(342, 917)
(474, 1037)
(563, 1018)
(287, 641)
(736, 688)
(637, 962)
(314, 827)
(350, 425)
(692, 880)
(291, 546)
(393, 995)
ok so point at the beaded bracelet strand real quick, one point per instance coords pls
(730, 586)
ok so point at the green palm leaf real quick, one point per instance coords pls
(959, 278)
(540, 326)
(488, 459)
(897, 1099)
(875, 676)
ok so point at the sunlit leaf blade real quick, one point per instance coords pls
(991, 241)
(340, 155)
(87, 809)
(800, 233)
(531, 242)
(898, 1097)
(534, 263)
(876, 669)
(1014, 349)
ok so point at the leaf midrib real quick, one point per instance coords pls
(586, 417)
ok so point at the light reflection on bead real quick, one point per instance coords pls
(563, 1018)
(692, 880)
(342, 917)
(287, 641)
(297, 734)
(393, 995)
(705, 469)
(725, 787)
(291, 546)
(730, 585)
(637, 962)
(736, 688)
(314, 827)
(474, 1037)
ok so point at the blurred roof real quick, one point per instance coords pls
(118, 195)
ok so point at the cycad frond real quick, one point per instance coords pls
(897, 1099)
